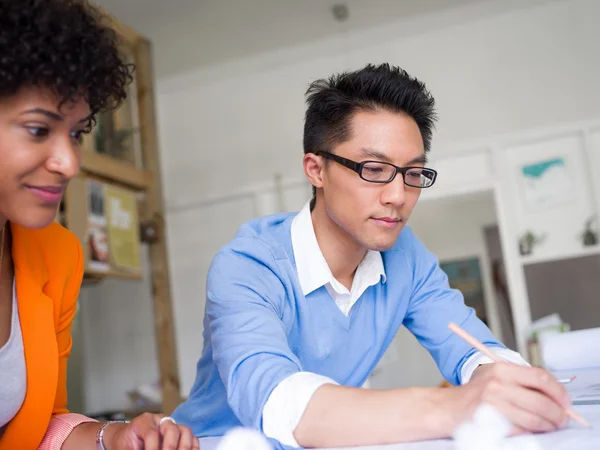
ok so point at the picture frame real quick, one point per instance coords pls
(465, 275)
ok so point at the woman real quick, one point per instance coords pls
(59, 67)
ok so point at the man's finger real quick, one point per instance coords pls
(536, 403)
(535, 378)
(523, 419)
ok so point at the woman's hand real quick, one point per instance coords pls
(150, 432)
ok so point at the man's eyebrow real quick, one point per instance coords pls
(418, 160)
(372, 153)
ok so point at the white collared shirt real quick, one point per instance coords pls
(288, 401)
(313, 271)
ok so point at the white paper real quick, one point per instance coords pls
(585, 389)
(571, 351)
(244, 439)
(552, 320)
(575, 437)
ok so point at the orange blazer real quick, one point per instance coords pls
(48, 272)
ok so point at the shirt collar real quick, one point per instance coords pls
(313, 271)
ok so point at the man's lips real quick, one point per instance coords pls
(388, 219)
(388, 222)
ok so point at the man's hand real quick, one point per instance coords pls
(531, 398)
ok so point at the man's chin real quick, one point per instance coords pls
(384, 243)
(382, 246)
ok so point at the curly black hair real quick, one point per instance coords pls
(66, 46)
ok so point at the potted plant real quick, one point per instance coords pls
(528, 241)
(589, 236)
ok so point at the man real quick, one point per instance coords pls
(301, 307)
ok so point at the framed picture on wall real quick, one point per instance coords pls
(546, 183)
(465, 275)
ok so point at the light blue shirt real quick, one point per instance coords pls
(259, 327)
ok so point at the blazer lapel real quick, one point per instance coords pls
(36, 312)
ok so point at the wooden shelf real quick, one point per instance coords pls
(117, 171)
(99, 275)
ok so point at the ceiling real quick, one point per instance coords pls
(365, 11)
(211, 31)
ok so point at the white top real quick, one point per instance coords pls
(13, 375)
(286, 404)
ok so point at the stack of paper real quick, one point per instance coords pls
(571, 351)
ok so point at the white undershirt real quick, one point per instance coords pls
(13, 375)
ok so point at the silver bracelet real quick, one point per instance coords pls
(100, 434)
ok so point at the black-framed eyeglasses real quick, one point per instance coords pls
(382, 172)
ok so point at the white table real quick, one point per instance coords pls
(575, 437)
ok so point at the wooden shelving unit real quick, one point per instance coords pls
(141, 181)
(110, 168)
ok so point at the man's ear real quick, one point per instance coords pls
(313, 168)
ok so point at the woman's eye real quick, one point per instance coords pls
(78, 135)
(38, 132)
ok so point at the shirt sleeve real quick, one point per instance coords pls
(478, 359)
(245, 295)
(287, 403)
(59, 429)
(433, 305)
